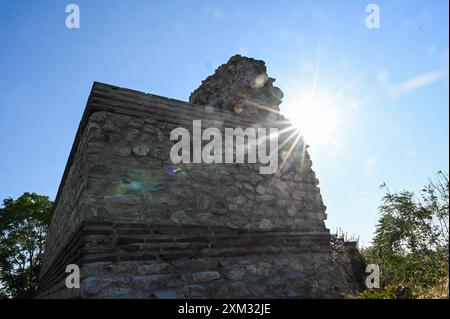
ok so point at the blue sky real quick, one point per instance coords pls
(388, 86)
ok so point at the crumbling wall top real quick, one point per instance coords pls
(242, 86)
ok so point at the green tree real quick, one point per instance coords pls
(412, 237)
(23, 228)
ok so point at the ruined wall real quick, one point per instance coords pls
(242, 86)
(141, 226)
(131, 178)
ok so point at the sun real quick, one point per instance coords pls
(315, 118)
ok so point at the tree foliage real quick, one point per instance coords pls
(412, 237)
(23, 228)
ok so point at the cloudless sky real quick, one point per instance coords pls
(389, 85)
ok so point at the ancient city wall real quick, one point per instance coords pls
(141, 226)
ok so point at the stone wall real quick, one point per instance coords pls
(133, 260)
(140, 226)
(242, 86)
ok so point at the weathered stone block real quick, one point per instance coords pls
(205, 276)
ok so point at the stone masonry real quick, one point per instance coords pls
(141, 227)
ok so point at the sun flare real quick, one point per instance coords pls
(315, 117)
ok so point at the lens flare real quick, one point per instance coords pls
(316, 118)
(238, 108)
